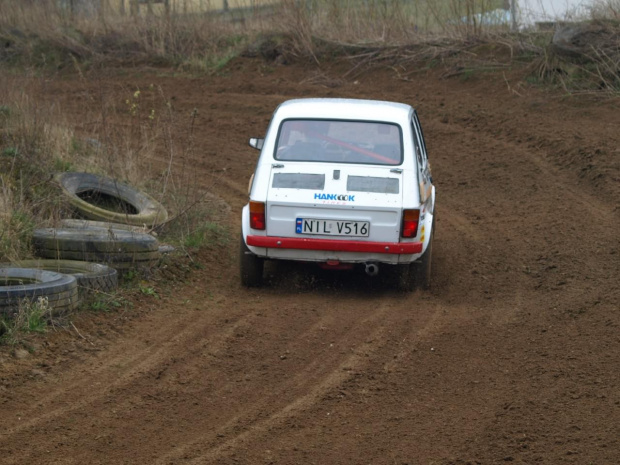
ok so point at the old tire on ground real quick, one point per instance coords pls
(104, 199)
(19, 284)
(72, 223)
(250, 266)
(91, 277)
(123, 250)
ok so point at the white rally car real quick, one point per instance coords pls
(341, 182)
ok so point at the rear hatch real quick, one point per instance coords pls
(334, 201)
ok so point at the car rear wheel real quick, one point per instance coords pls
(416, 275)
(251, 266)
(404, 280)
(421, 269)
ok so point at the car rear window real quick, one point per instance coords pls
(340, 141)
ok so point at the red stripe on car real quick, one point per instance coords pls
(334, 245)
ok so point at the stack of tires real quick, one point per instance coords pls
(85, 256)
(118, 248)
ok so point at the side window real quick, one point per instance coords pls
(425, 166)
(416, 123)
(418, 145)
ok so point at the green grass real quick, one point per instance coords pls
(148, 290)
(208, 234)
(10, 152)
(100, 302)
(29, 317)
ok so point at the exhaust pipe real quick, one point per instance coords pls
(372, 269)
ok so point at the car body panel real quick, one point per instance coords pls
(375, 190)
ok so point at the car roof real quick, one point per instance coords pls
(344, 108)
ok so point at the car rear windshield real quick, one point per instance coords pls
(339, 141)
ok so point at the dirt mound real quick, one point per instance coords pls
(588, 41)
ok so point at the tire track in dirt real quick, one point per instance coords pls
(305, 389)
(527, 196)
(139, 376)
(540, 157)
(137, 360)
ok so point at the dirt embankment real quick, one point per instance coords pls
(512, 357)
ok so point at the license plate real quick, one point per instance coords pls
(332, 227)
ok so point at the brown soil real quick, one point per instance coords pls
(512, 357)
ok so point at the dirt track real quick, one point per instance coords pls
(512, 357)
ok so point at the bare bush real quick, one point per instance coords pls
(606, 9)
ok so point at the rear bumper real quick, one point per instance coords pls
(298, 243)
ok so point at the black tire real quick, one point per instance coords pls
(104, 199)
(416, 275)
(60, 289)
(405, 281)
(88, 224)
(99, 257)
(60, 303)
(120, 249)
(94, 240)
(72, 223)
(421, 269)
(91, 277)
(250, 266)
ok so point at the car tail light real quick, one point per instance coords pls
(411, 219)
(257, 215)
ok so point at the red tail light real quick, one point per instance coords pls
(257, 215)
(411, 219)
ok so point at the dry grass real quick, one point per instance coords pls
(33, 143)
(127, 134)
(45, 34)
(606, 9)
(29, 317)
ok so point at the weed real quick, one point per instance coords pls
(467, 74)
(10, 152)
(208, 234)
(62, 165)
(102, 302)
(219, 63)
(130, 276)
(99, 306)
(148, 290)
(29, 317)
(533, 80)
